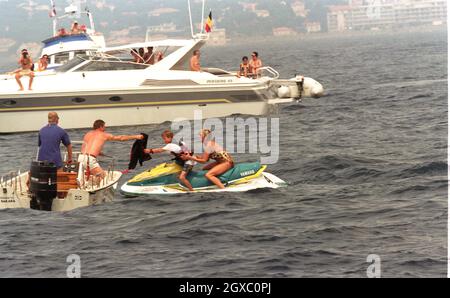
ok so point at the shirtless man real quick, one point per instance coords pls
(149, 57)
(141, 55)
(26, 63)
(195, 61)
(75, 29)
(255, 65)
(159, 56)
(135, 55)
(92, 147)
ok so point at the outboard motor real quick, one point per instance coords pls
(43, 185)
(299, 80)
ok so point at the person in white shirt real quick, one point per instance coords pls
(178, 150)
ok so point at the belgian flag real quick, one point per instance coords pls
(209, 23)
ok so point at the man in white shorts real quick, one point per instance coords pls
(92, 147)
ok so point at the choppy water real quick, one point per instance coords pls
(366, 167)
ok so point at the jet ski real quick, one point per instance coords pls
(163, 179)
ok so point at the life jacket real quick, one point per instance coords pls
(184, 150)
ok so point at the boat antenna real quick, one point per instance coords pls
(190, 18)
(91, 18)
(203, 16)
(53, 16)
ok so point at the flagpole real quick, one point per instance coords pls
(91, 19)
(203, 16)
(53, 11)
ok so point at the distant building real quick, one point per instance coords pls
(339, 18)
(160, 11)
(163, 28)
(312, 27)
(385, 14)
(355, 2)
(284, 31)
(262, 13)
(248, 6)
(299, 9)
(376, 15)
(421, 12)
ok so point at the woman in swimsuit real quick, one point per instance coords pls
(244, 68)
(212, 150)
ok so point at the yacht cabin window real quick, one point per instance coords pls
(62, 58)
(71, 64)
(110, 65)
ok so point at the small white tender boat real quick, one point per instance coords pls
(61, 195)
(44, 188)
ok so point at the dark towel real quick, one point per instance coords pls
(137, 153)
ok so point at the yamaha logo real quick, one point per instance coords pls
(247, 173)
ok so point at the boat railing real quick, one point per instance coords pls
(275, 74)
(107, 56)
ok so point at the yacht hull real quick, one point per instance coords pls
(27, 121)
(151, 103)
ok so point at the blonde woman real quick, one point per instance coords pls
(212, 150)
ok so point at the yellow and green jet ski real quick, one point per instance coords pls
(163, 179)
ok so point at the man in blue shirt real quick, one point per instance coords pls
(50, 138)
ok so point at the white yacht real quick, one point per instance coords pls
(108, 85)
